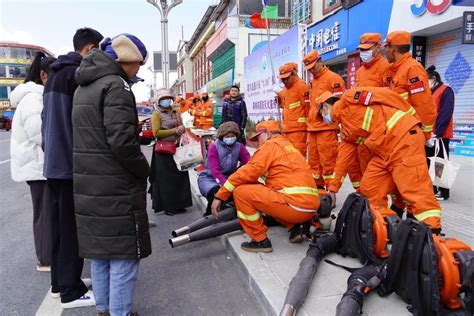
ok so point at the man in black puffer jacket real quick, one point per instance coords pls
(110, 171)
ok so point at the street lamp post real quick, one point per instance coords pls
(164, 9)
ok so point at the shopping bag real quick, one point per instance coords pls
(187, 119)
(188, 156)
(442, 171)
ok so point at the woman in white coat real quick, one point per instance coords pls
(27, 156)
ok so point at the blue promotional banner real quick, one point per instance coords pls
(257, 83)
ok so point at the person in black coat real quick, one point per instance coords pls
(110, 172)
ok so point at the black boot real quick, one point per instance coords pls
(296, 234)
(253, 246)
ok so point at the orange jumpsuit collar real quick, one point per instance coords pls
(373, 61)
(401, 61)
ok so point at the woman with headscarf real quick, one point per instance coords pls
(170, 188)
(223, 158)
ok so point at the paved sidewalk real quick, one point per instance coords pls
(270, 274)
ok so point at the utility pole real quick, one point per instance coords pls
(164, 9)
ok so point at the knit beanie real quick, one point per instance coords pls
(125, 48)
(226, 128)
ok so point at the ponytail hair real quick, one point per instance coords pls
(40, 63)
(433, 73)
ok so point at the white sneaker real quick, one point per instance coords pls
(83, 301)
(41, 268)
(87, 282)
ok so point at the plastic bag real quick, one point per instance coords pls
(442, 171)
(188, 156)
(187, 119)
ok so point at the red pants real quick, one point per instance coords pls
(322, 155)
(405, 170)
(251, 199)
(298, 140)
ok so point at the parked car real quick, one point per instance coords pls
(5, 122)
(144, 123)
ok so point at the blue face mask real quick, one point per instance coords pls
(327, 118)
(229, 141)
(166, 103)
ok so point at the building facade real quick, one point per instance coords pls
(15, 60)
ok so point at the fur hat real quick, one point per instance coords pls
(125, 48)
(226, 128)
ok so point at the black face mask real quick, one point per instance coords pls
(204, 99)
(195, 100)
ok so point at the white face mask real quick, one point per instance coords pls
(366, 56)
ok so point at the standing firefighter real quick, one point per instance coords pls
(289, 194)
(293, 99)
(374, 66)
(380, 119)
(408, 78)
(196, 110)
(207, 111)
(322, 138)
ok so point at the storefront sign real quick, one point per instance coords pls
(222, 82)
(329, 37)
(353, 63)
(257, 83)
(432, 6)
(468, 27)
(419, 49)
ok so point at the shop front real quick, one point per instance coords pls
(217, 89)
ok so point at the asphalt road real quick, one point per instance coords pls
(196, 279)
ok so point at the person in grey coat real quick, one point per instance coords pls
(110, 172)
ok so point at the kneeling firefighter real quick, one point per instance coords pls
(378, 118)
(289, 194)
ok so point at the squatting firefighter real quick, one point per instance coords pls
(196, 110)
(207, 111)
(380, 119)
(294, 101)
(408, 78)
(289, 194)
(322, 138)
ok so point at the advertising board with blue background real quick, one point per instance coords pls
(257, 84)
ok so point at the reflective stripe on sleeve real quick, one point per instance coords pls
(427, 128)
(299, 190)
(394, 119)
(229, 186)
(342, 179)
(302, 120)
(356, 184)
(411, 111)
(316, 176)
(252, 218)
(330, 176)
(294, 105)
(360, 140)
(367, 118)
(427, 214)
(405, 95)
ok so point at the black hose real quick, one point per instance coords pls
(206, 233)
(226, 215)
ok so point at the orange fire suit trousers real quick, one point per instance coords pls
(406, 170)
(251, 199)
(298, 140)
(322, 155)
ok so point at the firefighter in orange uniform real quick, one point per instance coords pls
(183, 105)
(408, 78)
(207, 111)
(380, 119)
(374, 65)
(289, 194)
(293, 99)
(322, 138)
(196, 110)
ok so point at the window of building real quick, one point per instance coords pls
(3, 71)
(331, 5)
(3, 92)
(300, 11)
(18, 71)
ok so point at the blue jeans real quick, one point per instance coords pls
(113, 283)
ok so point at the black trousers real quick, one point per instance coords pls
(41, 221)
(430, 151)
(66, 265)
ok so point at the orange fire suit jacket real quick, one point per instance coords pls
(408, 78)
(207, 114)
(283, 169)
(373, 116)
(372, 74)
(195, 111)
(295, 104)
(326, 80)
(184, 106)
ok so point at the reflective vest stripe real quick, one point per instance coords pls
(305, 210)
(302, 120)
(330, 176)
(210, 120)
(411, 111)
(252, 218)
(299, 190)
(342, 179)
(427, 128)
(294, 105)
(427, 214)
(316, 176)
(394, 119)
(405, 95)
(229, 186)
(356, 184)
(367, 118)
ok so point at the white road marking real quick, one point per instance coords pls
(50, 306)
(5, 161)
